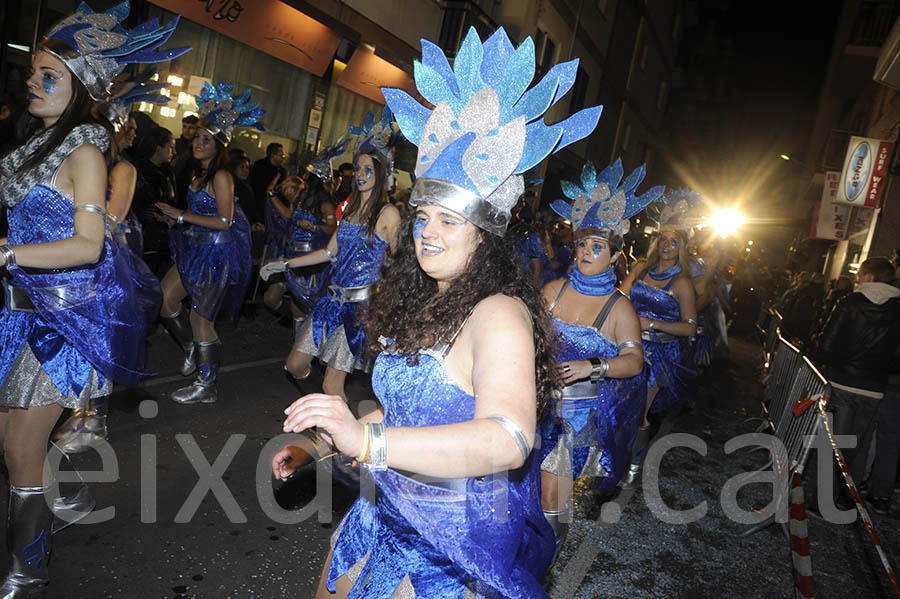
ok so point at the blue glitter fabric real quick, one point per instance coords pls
(95, 325)
(608, 421)
(309, 284)
(672, 362)
(148, 293)
(444, 538)
(564, 258)
(277, 229)
(134, 234)
(358, 264)
(215, 275)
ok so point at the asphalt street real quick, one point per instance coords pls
(189, 508)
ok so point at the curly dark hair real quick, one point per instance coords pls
(406, 306)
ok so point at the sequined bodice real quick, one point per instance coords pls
(654, 303)
(43, 215)
(575, 342)
(203, 204)
(419, 394)
(358, 260)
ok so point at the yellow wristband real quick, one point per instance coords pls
(365, 449)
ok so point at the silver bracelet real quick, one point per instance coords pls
(91, 208)
(180, 219)
(113, 218)
(224, 220)
(377, 458)
(691, 321)
(331, 256)
(9, 257)
(651, 326)
(599, 368)
(515, 432)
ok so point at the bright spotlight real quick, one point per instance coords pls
(785, 157)
(727, 221)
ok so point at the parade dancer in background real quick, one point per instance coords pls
(212, 254)
(70, 326)
(591, 428)
(280, 205)
(333, 332)
(466, 367)
(663, 295)
(85, 426)
(312, 225)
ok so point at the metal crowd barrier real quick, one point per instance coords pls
(782, 365)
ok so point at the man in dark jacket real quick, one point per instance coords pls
(266, 173)
(859, 346)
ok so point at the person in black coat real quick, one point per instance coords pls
(155, 183)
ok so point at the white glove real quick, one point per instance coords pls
(267, 270)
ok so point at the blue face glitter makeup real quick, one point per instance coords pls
(673, 244)
(418, 227)
(49, 84)
(597, 250)
(369, 172)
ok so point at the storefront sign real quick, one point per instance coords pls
(367, 73)
(830, 220)
(862, 220)
(863, 176)
(270, 26)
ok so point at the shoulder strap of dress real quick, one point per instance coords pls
(558, 295)
(442, 348)
(607, 308)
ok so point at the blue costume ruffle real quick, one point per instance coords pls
(307, 284)
(88, 319)
(358, 264)
(277, 228)
(606, 424)
(446, 537)
(215, 266)
(671, 362)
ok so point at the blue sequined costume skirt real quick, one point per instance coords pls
(672, 369)
(480, 539)
(215, 267)
(333, 333)
(593, 437)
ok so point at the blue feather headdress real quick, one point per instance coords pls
(485, 129)
(603, 202)
(380, 136)
(676, 210)
(103, 47)
(320, 166)
(220, 113)
(135, 90)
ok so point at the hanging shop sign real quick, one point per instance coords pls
(864, 174)
(367, 73)
(830, 220)
(270, 26)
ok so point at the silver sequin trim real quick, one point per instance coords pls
(28, 386)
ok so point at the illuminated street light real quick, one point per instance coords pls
(727, 221)
(785, 157)
(750, 242)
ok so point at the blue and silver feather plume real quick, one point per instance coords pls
(104, 46)
(676, 209)
(380, 136)
(603, 202)
(320, 166)
(221, 112)
(487, 126)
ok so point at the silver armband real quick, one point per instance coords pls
(627, 344)
(331, 256)
(113, 218)
(90, 208)
(180, 219)
(691, 321)
(515, 432)
(9, 257)
(224, 220)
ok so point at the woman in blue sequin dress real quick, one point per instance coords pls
(333, 331)
(312, 225)
(662, 293)
(212, 265)
(592, 425)
(70, 325)
(280, 204)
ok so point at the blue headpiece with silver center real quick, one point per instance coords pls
(676, 210)
(221, 113)
(320, 166)
(485, 129)
(380, 136)
(103, 47)
(137, 89)
(603, 202)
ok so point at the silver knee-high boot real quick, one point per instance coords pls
(178, 326)
(559, 522)
(203, 389)
(28, 530)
